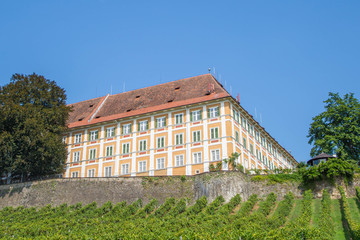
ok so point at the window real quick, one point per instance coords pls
(251, 129)
(160, 163)
(91, 173)
(109, 151)
(195, 115)
(76, 157)
(142, 145)
(213, 112)
(92, 154)
(256, 135)
(125, 168)
(179, 160)
(237, 118)
(237, 138)
(78, 138)
(160, 141)
(94, 135)
(257, 154)
(160, 122)
(64, 139)
(263, 141)
(126, 148)
(179, 118)
(142, 166)
(214, 133)
(243, 122)
(143, 126)
(126, 129)
(179, 139)
(215, 155)
(75, 174)
(108, 171)
(251, 149)
(244, 143)
(196, 136)
(197, 157)
(110, 132)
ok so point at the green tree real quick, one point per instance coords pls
(337, 129)
(33, 116)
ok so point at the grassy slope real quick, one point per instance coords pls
(354, 207)
(336, 215)
(295, 212)
(316, 209)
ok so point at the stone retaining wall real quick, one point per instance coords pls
(101, 190)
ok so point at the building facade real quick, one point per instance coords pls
(175, 128)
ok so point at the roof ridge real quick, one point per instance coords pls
(84, 100)
(162, 83)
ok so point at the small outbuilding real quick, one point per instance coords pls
(323, 157)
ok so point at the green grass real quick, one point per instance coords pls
(354, 207)
(316, 209)
(295, 212)
(336, 215)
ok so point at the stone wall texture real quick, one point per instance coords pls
(101, 190)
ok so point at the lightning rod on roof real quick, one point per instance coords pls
(209, 70)
(124, 87)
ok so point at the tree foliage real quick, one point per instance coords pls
(33, 116)
(337, 129)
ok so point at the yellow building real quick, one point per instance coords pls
(175, 128)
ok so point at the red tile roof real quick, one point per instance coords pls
(145, 100)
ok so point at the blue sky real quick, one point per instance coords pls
(282, 57)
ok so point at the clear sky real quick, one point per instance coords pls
(282, 57)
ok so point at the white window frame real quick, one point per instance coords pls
(179, 118)
(126, 148)
(197, 136)
(64, 139)
(215, 155)
(179, 139)
(142, 166)
(160, 142)
(77, 138)
(160, 163)
(75, 174)
(109, 151)
(244, 143)
(92, 154)
(142, 145)
(179, 160)
(197, 158)
(76, 156)
(125, 168)
(91, 172)
(143, 125)
(214, 133)
(126, 128)
(110, 132)
(213, 112)
(160, 122)
(196, 115)
(93, 135)
(108, 171)
(237, 136)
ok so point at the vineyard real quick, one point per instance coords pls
(256, 218)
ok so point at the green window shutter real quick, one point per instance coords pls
(234, 114)
(191, 116)
(106, 133)
(89, 135)
(130, 128)
(162, 142)
(208, 112)
(147, 125)
(165, 121)
(97, 135)
(200, 114)
(218, 111)
(138, 127)
(114, 133)
(156, 122)
(122, 130)
(217, 132)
